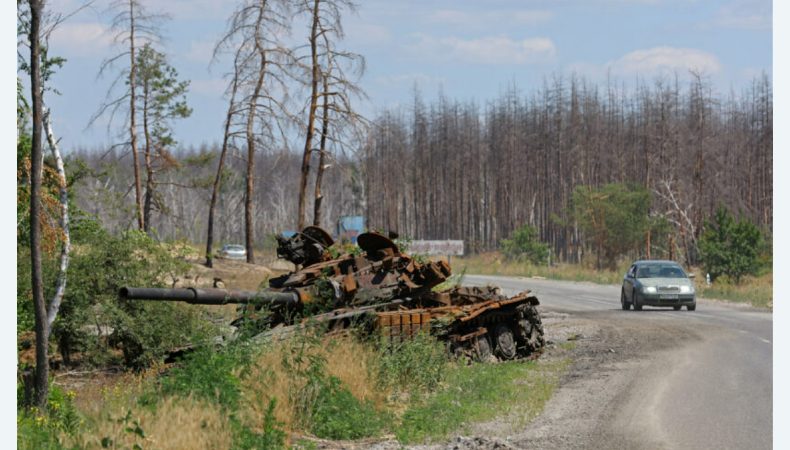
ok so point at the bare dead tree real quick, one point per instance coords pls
(132, 24)
(325, 72)
(234, 82)
(680, 215)
(340, 74)
(562, 136)
(262, 68)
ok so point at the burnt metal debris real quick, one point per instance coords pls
(381, 289)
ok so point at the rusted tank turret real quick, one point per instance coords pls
(378, 285)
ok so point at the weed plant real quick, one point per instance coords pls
(209, 374)
(411, 366)
(46, 431)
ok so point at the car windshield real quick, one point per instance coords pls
(235, 248)
(660, 271)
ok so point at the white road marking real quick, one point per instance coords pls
(765, 340)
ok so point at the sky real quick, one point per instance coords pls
(467, 50)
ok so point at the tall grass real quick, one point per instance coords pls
(757, 291)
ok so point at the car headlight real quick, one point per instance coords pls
(649, 289)
(686, 289)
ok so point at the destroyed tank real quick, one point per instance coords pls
(378, 288)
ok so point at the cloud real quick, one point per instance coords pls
(487, 50)
(82, 39)
(420, 79)
(659, 60)
(745, 15)
(486, 19)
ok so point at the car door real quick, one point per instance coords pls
(628, 283)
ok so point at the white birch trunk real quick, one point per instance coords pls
(60, 287)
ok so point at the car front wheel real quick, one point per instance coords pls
(635, 298)
(625, 305)
(691, 307)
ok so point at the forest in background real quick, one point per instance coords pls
(448, 169)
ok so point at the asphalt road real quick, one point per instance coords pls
(657, 378)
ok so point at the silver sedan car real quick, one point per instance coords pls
(233, 251)
(657, 283)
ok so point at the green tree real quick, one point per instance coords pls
(730, 248)
(524, 245)
(161, 99)
(615, 217)
(92, 321)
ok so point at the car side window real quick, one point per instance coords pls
(632, 272)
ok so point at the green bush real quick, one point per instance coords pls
(524, 245)
(730, 248)
(413, 365)
(337, 414)
(210, 374)
(91, 318)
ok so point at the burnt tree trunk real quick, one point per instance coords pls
(218, 179)
(308, 142)
(132, 123)
(322, 158)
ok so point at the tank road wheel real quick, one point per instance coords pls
(530, 330)
(482, 349)
(505, 342)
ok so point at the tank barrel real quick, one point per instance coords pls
(209, 296)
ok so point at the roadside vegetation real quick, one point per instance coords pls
(287, 393)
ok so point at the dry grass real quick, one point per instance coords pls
(757, 291)
(176, 423)
(105, 400)
(493, 263)
(269, 377)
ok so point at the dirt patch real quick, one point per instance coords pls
(226, 273)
